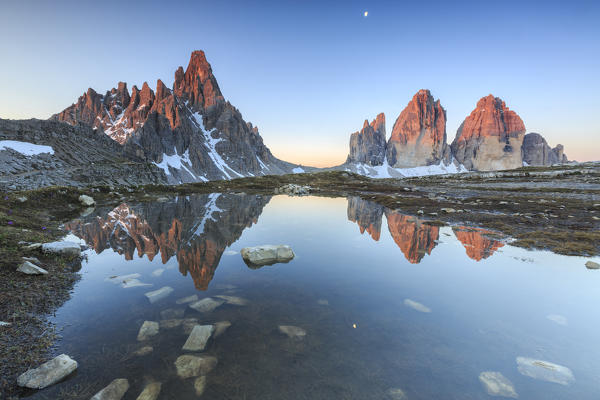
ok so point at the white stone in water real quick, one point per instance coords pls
(86, 200)
(150, 392)
(48, 373)
(189, 366)
(66, 248)
(592, 265)
(158, 272)
(234, 300)
(200, 385)
(172, 313)
(144, 351)
(497, 384)
(559, 319)
(187, 299)
(147, 330)
(116, 279)
(31, 269)
(114, 391)
(133, 282)
(292, 332)
(159, 294)
(267, 254)
(396, 394)
(220, 328)
(198, 338)
(416, 306)
(545, 371)
(206, 305)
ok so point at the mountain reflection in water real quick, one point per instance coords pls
(197, 229)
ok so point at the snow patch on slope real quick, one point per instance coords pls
(25, 148)
(298, 170)
(386, 171)
(178, 162)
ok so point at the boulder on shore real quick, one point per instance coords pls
(62, 248)
(30, 268)
(267, 255)
(48, 373)
(86, 200)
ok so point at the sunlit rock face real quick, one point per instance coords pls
(476, 243)
(368, 145)
(195, 230)
(536, 151)
(189, 131)
(490, 138)
(414, 237)
(367, 215)
(419, 134)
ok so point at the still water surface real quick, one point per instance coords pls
(387, 302)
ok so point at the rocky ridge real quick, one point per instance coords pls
(537, 152)
(190, 131)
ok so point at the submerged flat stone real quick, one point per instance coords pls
(143, 351)
(293, 332)
(200, 385)
(29, 268)
(234, 300)
(559, 319)
(189, 366)
(151, 391)
(396, 394)
(114, 391)
(497, 384)
(121, 278)
(48, 373)
(592, 265)
(206, 305)
(147, 330)
(267, 254)
(133, 282)
(188, 325)
(170, 323)
(158, 272)
(545, 371)
(198, 338)
(157, 295)
(171, 313)
(188, 299)
(64, 248)
(220, 328)
(417, 306)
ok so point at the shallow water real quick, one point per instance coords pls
(386, 301)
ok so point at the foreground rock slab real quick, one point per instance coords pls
(148, 329)
(292, 332)
(63, 248)
(206, 305)
(191, 366)
(29, 268)
(114, 391)
(151, 391)
(198, 338)
(48, 373)
(545, 371)
(157, 295)
(496, 384)
(267, 254)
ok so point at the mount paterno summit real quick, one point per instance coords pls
(190, 131)
(491, 138)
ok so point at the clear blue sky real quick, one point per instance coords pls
(309, 72)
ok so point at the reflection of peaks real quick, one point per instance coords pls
(366, 214)
(195, 228)
(478, 245)
(412, 236)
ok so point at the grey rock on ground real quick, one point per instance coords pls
(31, 269)
(48, 373)
(114, 391)
(497, 384)
(189, 366)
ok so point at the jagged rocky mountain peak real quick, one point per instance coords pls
(367, 146)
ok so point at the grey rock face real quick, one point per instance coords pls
(368, 145)
(48, 373)
(537, 152)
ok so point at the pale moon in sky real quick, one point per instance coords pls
(366, 14)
